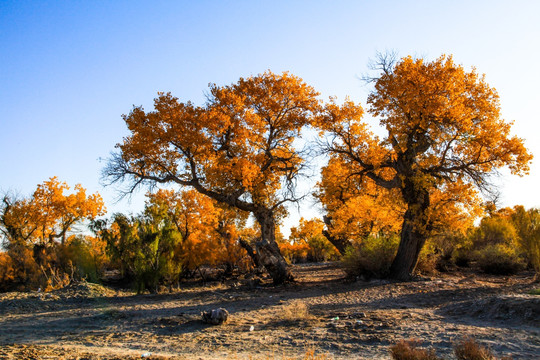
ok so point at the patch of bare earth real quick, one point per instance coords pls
(320, 313)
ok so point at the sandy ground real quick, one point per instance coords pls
(346, 320)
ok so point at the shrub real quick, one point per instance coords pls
(494, 230)
(87, 256)
(500, 260)
(408, 350)
(527, 224)
(295, 310)
(7, 271)
(371, 258)
(462, 257)
(466, 349)
(469, 349)
(320, 249)
(427, 261)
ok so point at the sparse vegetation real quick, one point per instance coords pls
(466, 349)
(371, 258)
(409, 350)
(469, 349)
(535, 292)
(500, 260)
(295, 310)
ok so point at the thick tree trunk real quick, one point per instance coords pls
(252, 254)
(414, 232)
(341, 244)
(268, 250)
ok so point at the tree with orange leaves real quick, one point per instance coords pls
(444, 133)
(49, 214)
(355, 207)
(33, 228)
(195, 218)
(237, 149)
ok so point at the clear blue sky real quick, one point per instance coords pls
(70, 69)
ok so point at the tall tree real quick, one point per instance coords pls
(444, 131)
(237, 149)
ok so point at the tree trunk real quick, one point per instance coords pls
(414, 232)
(268, 250)
(252, 254)
(341, 244)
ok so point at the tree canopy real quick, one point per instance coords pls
(444, 133)
(237, 149)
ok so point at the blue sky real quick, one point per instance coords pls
(70, 69)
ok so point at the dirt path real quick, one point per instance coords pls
(346, 320)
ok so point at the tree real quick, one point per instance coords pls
(355, 207)
(527, 225)
(34, 228)
(444, 131)
(310, 233)
(237, 149)
(49, 214)
(195, 218)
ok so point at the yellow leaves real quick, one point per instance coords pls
(209, 232)
(240, 141)
(454, 111)
(50, 213)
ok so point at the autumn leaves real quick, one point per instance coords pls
(237, 154)
(444, 136)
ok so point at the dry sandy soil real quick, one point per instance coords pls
(346, 320)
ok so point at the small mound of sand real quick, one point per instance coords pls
(510, 308)
(82, 290)
(32, 301)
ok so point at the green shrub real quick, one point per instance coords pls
(371, 258)
(462, 257)
(527, 224)
(494, 230)
(500, 260)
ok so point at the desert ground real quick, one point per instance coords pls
(321, 316)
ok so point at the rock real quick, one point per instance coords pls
(215, 316)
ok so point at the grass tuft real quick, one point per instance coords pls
(295, 310)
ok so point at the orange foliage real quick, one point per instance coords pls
(33, 227)
(445, 137)
(309, 242)
(50, 213)
(209, 231)
(237, 149)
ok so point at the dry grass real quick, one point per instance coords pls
(295, 310)
(466, 349)
(309, 355)
(469, 349)
(409, 350)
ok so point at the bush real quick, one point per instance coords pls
(527, 224)
(295, 310)
(320, 249)
(500, 260)
(462, 257)
(87, 256)
(468, 349)
(371, 258)
(427, 261)
(408, 350)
